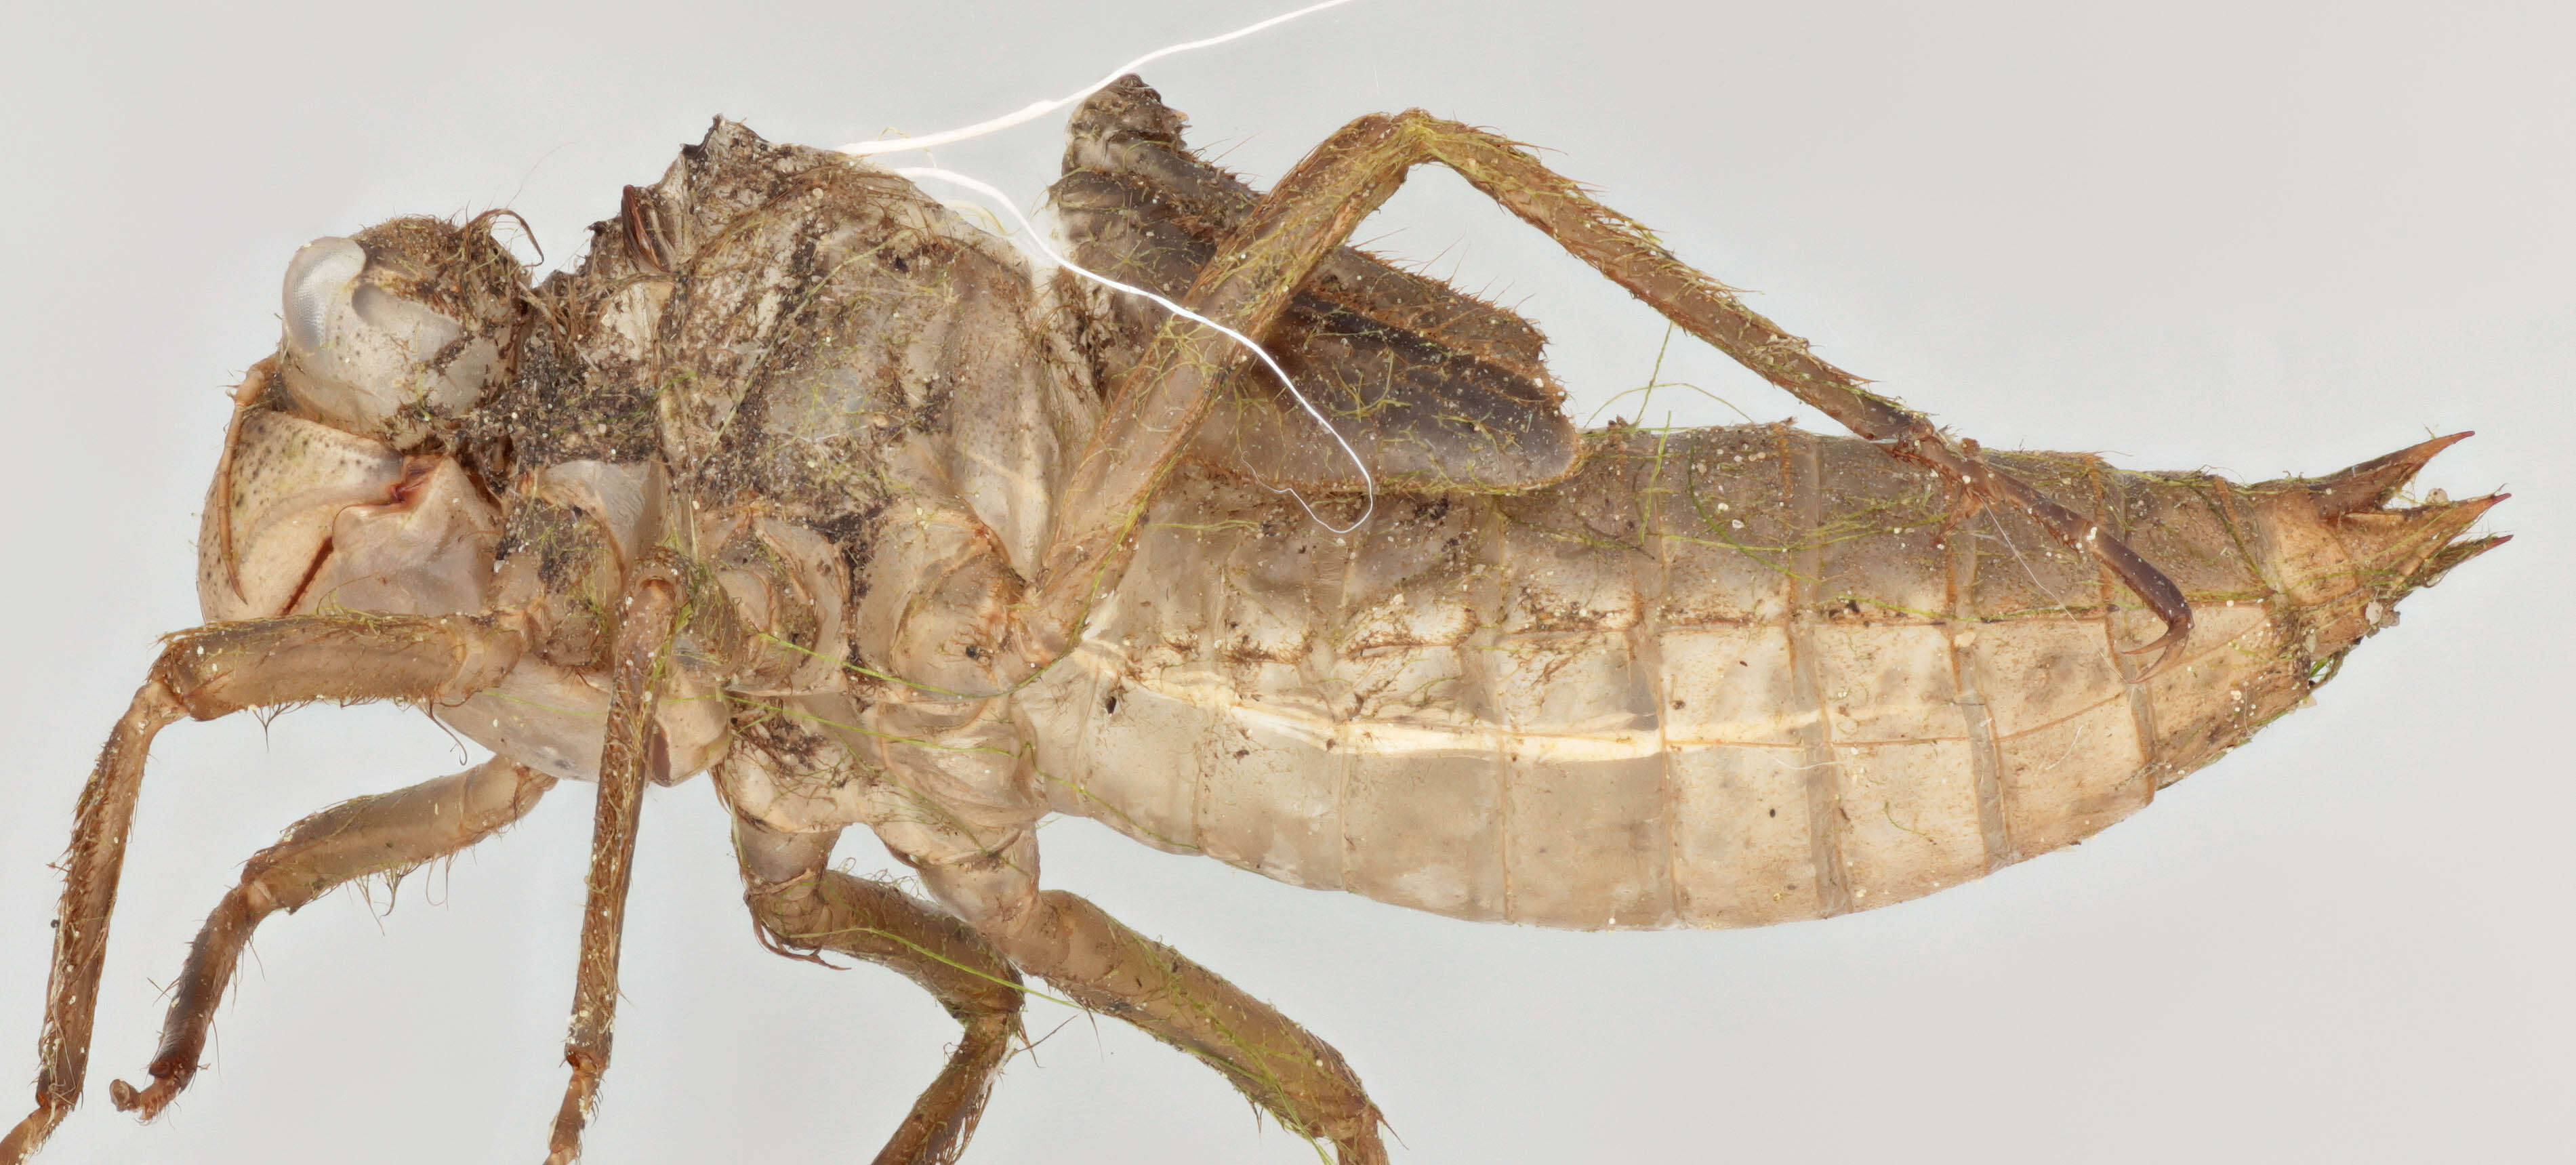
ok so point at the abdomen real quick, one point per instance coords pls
(1723, 677)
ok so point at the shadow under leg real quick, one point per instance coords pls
(800, 906)
(385, 834)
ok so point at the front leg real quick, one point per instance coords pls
(1299, 1079)
(1257, 270)
(209, 672)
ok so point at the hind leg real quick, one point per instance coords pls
(800, 906)
(1276, 247)
(384, 834)
(1299, 1079)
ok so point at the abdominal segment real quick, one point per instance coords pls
(1723, 677)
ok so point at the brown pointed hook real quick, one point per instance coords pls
(2080, 533)
(2373, 482)
(2453, 555)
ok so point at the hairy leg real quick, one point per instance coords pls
(800, 906)
(648, 615)
(384, 834)
(1079, 948)
(1277, 247)
(205, 673)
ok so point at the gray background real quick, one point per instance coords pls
(2261, 238)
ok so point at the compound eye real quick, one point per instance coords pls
(319, 281)
(362, 357)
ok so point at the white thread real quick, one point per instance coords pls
(1367, 479)
(1042, 108)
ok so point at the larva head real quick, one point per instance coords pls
(395, 330)
(338, 487)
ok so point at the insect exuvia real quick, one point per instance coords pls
(586, 503)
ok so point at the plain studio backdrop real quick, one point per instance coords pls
(2260, 238)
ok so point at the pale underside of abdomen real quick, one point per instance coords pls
(1718, 678)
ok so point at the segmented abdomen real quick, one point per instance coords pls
(1719, 677)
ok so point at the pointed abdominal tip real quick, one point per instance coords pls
(2416, 546)
(2371, 483)
(2455, 554)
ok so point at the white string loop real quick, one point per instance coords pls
(1036, 110)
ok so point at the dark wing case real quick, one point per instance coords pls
(1435, 388)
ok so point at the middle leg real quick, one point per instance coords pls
(384, 834)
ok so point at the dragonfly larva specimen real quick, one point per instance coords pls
(1737, 457)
